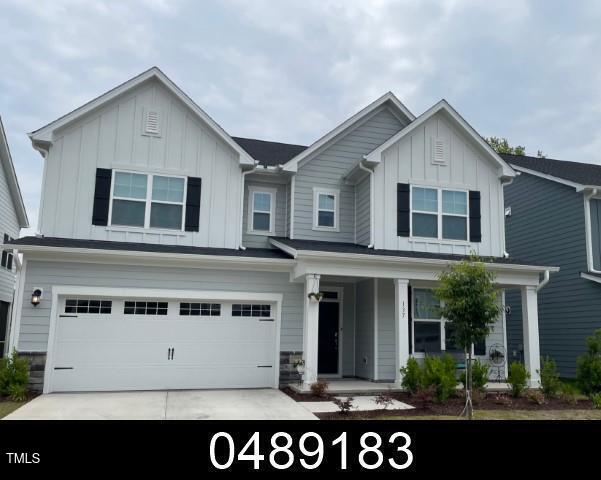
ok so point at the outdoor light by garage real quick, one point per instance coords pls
(36, 297)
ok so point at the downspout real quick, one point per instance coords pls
(544, 281)
(372, 195)
(242, 247)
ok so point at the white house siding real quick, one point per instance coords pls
(35, 320)
(363, 202)
(9, 224)
(364, 330)
(409, 161)
(326, 169)
(262, 241)
(112, 138)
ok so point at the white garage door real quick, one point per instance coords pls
(153, 344)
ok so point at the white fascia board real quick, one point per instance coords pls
(93, 255)
(6, 162)
(284, 248)
(292, 164)
(578, 186)
(376, 154)
(593, 278)
(44, 135)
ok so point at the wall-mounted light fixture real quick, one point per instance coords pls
(36, 296)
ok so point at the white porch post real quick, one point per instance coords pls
(530, 328)
(310, 331)
(401, 324)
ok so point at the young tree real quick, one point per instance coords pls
(469, 300)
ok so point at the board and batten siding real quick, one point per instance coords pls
(547, 227)
(327, 169)
(256, 181)
(409, 161)
(362, 212)
(9, 224)
(112, 138)
(35, 321)
(364, 329)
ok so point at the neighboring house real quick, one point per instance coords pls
(12, 218)
(173, 255)
(555, 218)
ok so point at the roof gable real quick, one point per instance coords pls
(388, 98)
(443, 106)
(6, 163)
(43, 135)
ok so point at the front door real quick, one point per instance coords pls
(327, 353)
(4, 307)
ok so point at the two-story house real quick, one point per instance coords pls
(12, 218)
(554, 215)
(174, 256)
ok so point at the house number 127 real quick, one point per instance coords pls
(311, 447)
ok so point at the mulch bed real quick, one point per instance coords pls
(30, 396)
(451, 407)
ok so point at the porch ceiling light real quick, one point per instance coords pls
(36, 297)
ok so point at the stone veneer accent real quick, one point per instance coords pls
(37, 363)
(288, 373)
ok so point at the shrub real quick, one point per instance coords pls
(440, 373)
(14, 373)
(17, 393)
(596, 399)
(537, 397)
(320, 388)
(412, 376)
(549, 378)
(344, 406)
(517, 378)
(384, 399)
(568, 393)
(479, 376)
(424, 396)
(588, 372)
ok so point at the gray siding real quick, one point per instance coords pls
(35, 320)
(362, 213)
(596, 233)
(364, 330)
(262, 241)
(9, 224)
(326, 170)
(386, 330)
(547, 228)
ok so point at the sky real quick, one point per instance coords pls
(290, 71)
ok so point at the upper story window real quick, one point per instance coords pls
(325, 209)
(439, 213)
(149, 201)
(261, 203)
(7, 256)
(594, 240)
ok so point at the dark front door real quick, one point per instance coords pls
(3, 325)
(327, 353)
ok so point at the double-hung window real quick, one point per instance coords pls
(148, 201)
(261, 203)
(439, 213)
(7, 255)
(325, 209)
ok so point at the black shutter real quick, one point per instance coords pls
(193, 204)
(102, 196)
(402, 209)
(475, 217)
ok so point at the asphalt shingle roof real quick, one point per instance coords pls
(269, 153)
(577, 172)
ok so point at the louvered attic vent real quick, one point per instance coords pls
(152, 123)
(439, 151)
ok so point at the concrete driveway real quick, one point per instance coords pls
(261, 404)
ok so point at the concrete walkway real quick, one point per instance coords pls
(260, 404)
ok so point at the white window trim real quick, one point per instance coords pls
(326, 191)
(439, 215)
(272, 192)
(148, 202)
(589, 230)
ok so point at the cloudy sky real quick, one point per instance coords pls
(292, 70)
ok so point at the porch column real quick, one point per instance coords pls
(310, 331)
(530, 328)
(401, 324)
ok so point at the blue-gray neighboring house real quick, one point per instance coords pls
(553, 216)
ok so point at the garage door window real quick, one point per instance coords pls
(145, 308)
(73, 305)
(250, 310)
(200, 309)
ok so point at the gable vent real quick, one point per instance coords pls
(439, 151)
(152, 123)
